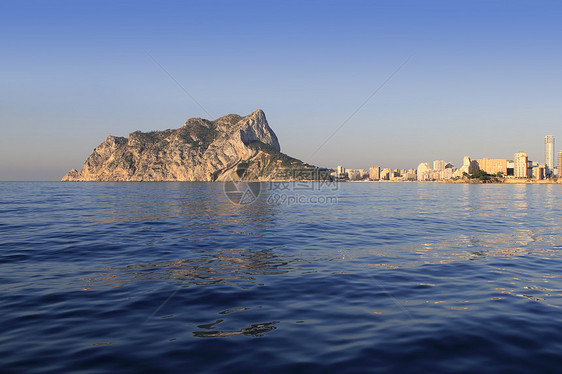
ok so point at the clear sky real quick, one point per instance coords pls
(484, 78)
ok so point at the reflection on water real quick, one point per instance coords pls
(254, 330)
(195, 203)
(235, 267)
(465, 248)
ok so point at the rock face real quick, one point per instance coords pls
(201, 150)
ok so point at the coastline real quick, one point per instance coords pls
(448, 181)
(467, 181)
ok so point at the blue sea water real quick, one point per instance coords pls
(360, 277)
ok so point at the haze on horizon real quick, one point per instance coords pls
(484, 78)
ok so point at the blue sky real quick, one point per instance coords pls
(484, 78)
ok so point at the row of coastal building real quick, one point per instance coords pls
(519, 167)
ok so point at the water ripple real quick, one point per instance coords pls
(160, 277)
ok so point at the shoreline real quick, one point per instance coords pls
(446, 181)
(465, 181)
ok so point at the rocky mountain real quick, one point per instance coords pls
(201, 150)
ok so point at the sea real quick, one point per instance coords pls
(281, 277)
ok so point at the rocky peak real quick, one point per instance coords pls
(255, 128)
(201, 150)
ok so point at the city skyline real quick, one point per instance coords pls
(521, 164)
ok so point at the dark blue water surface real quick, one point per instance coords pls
(173, 277)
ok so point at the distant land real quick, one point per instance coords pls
(229, 148)
(246, 148)
(520, 170)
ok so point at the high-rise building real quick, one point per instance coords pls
(493, 166)
(468, 166)
(560, 163)
(375, 173)
(356, 174)
(510, 168)
(385, 174)
(520, 165)
(438, 165)
(538, 172)
(410, 176)
(341, 172)
(446, 173)
(549, 153)
(423, 171)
